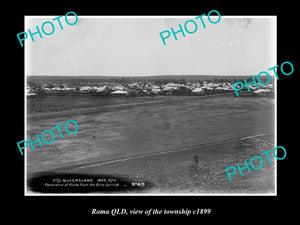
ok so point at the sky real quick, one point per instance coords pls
(132, 46)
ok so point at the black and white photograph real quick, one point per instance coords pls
(126, 112)
(151, 105)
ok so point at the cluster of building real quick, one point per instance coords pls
(136, 88)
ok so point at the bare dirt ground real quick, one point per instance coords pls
(157, 142)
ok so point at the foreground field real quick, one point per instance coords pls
(176, 172)
(176, 126)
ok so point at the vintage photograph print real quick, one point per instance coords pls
(148, 105)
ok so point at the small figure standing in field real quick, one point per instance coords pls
(194, 169)
(152, 95)
(196, 159)
(94, 138)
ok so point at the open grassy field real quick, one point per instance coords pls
(66, 103)
(157, 140)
